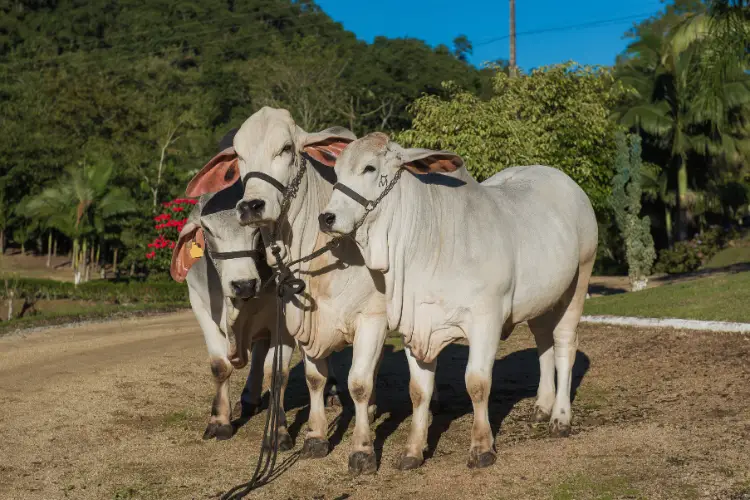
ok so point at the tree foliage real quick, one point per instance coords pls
(690, 101)
(153, 85)
(557, 116)
(626, 202)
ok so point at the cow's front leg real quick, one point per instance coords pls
(287, 348)
(219, 425)
(252, 394)
(421, 385)
(316, 440)
(482, 348)
(366, 353)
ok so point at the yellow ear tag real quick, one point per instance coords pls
(196, 252)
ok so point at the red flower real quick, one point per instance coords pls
(171, 244)
(177, 208)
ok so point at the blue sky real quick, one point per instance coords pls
(440, 21)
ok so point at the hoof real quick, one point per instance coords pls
(559, 429)
(314, 448)
(210, 431)
(285, 442)
(361, 462)
(219, 431)
(409, 463)
(224, 432)
(539, 416)
(481, 460)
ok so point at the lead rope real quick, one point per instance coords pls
(286, 287)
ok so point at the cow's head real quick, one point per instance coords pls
(363, 171)
(236, 251)
(266, 156)
(269, 148)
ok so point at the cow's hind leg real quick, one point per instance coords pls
(252, 394)
(482, 350)
(560, 327)
(316, 439)
(333, 388)
(566, 345)
(542, 328)
(421, 385)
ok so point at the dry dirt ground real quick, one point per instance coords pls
(116, 411)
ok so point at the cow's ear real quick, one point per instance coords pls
(188, 250)
(326, 146)
(425, 161)
(218, 174)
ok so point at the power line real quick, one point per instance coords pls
(589, 24)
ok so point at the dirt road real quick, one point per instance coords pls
(116, 411)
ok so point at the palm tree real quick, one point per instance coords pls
(655, 182)
(665, 106)
(80, 203)
(724, 33)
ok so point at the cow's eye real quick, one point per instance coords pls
(286, 149)
(369, 168)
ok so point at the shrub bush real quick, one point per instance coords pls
(167, 228)
(168, 292)
(687, 256)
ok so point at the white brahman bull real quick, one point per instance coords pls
(464, 260)
(343, 302)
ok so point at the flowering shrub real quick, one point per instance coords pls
(168, 226)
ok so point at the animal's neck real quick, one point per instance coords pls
(421, 236)
(302, 230)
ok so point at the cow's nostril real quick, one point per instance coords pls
(256, 205)
(244, 289)
(250, 209)
(326, 220)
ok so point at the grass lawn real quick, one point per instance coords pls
(75, 313)
(716, 298)
(728, 257)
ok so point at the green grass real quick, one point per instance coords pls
(728, 257)
(79, 313)
(716, 298)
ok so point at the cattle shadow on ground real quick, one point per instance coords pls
(515, 377)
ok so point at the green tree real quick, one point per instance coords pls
(556, 116)
(669, 103)
(626, 202)
(80, 203)
(462, 48)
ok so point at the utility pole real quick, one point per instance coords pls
(512, 37)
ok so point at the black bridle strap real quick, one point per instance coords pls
(352, 194)
(239, 254)
(264, 177)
